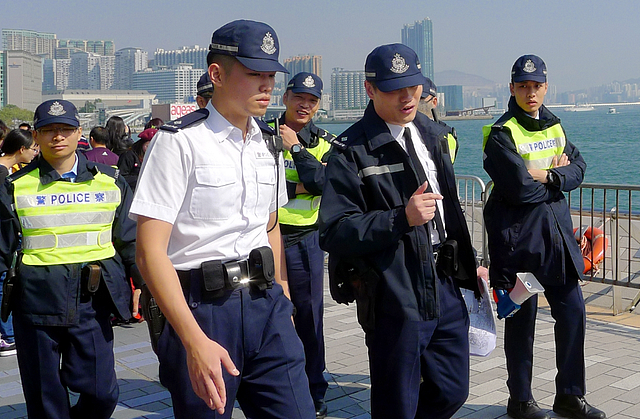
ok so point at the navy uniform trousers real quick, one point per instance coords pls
(87, 366)
(420, 369)
(567, 309)
(256, 329)
(305, 272)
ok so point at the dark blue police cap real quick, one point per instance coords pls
(529, 67)
(56, 111)
(429, 88)
(306, 83)
(204, 85)
(254, 44)
(393, 67)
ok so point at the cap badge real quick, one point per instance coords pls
(56, 109)
(309, 82)
(268, 44)
(398, 64)
(529, 67)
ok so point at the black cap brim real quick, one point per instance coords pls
(305, 90)
(400, 82)
(57, 120)
(262, 65)
(527, 77)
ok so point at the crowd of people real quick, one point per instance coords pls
(221, 221)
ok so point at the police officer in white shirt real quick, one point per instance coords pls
(206, 205)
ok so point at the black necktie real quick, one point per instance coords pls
(422, 177)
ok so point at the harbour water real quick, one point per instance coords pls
(610, 143)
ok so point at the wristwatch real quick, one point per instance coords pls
(296, 148)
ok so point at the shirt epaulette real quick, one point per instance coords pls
(187, 120)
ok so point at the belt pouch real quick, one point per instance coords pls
(262, 268)
(91, 274)
(213, 277)
(448, 258)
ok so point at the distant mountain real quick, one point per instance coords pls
(449, 77)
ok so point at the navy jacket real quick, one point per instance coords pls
(49, 295)
(528, 222)
(364, 216)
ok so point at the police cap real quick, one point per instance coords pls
(254, 44)
(393, 67)
(306, 83)
(429, 88)
(56, 111)
(529, 67)
(204, 85)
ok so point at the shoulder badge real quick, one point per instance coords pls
(268, 44)
(398, 64)
(186, 121)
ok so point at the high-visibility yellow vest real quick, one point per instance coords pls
(453, 147)
(537, 148)
(65, 222)
(303, 209)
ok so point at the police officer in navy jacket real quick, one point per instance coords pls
(389, 207)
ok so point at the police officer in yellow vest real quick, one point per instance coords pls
(305, 147)
(66, 232)
(529, 227)
(428, 105)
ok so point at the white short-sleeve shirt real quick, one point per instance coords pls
(214, 187)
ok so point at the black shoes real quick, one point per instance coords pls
(321, 408)
(576, 407)
(525, 410)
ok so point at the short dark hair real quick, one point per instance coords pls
(99, 135)
(15, 140)
(154, 123)
(226, 61)
(25, 125)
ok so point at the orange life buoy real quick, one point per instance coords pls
(593, 244)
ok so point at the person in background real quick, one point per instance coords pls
(529, 228)
(130, 161)
(428, 106)
(99, 153)
(209, 244)
(18, 148)
(25, 126)
(306, 147)
(397, 238)
(119, 135)
(71, 269)
(205, 91)
(4, 130)
(154, 123)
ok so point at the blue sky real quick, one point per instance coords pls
(584, 43)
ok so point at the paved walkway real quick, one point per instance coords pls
(613, 371)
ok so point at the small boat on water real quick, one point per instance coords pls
(579, 108)
(612, 111)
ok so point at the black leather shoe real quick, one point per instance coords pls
(525, 410)
(321, 409)
(576, 407)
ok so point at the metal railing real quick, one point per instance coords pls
(613, 209)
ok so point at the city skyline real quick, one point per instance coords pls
(583, 43)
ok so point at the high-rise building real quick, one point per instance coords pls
(22, 79)
(419, 37)
(63, 71)
(3, 63)
(100, 47)
(169, 85)
(347, 91)
(453, 98)
(299, 63)
(91, 71)
(36, 43)
(194, 55)
(128, 61)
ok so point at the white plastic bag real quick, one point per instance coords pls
(482, 322)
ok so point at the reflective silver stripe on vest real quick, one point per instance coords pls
(51, 241)
(46, 200)
(542, 163)
(304, 204)
(62, 220)
(380, 170)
